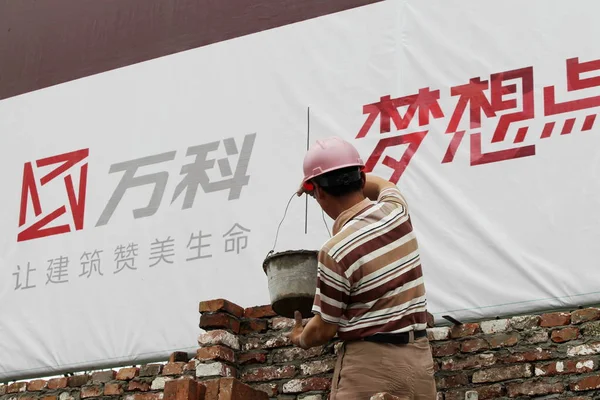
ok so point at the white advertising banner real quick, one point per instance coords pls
(131, 195)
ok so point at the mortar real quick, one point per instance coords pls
(292, 278)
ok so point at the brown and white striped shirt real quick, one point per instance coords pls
(370, 278)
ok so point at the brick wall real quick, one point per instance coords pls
(554, 354)
(245, 354)
(174, 380)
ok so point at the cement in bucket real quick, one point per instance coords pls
(292, 278)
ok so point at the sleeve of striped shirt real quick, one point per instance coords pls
(392, 195)
(333, 290)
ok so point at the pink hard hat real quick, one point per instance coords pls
(328, 155)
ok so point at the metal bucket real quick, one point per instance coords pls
(292, 277)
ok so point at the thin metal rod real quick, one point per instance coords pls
(307, 147)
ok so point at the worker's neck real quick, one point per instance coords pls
(344, 203)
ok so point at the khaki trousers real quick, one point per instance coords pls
(366, 368)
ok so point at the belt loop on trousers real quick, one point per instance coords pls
(411, 336)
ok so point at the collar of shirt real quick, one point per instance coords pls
(350, 213)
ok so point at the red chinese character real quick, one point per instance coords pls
(574, 82)
(425, 103)
(30, 191)
(473, 94)
(413, 140)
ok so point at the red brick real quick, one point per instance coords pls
(183, 389)
(565, 334)
(473, 345)
(536, 336)
(233, 389)
(16, 387)
(566, 367)
(534, 388)
(259, 312)
(190, 367)
(306, 385)
(218, 353)
(219, 337)
(252, 358)
(295, 353)
(178, 356)
(57, 383)
(126, 374)
(151, 369)
(318, 367)
(469, 362)
(527, 356)
(587, 383)
(113, 389)
(525, 322)
(37, 385)
(265, 342)
(28, 397)
(503, 340)
(445, 349)
(77, 380)
(212, 389)
(585, 315)
(455, 394)
(499, 374)
(173, 368)
(464, 330)
(219, 321)
(91, 391)
(264, 374)
(49, 398)
(138, 386)
(271, 389)
(489, 392)
(555, 319)
(221, 305)
(279, 323)
(248, 326)
(103, 376)
(452, 381)
(215, 369)
(146, 396)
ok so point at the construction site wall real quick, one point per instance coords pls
(246, 351)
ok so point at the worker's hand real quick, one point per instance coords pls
(296, 332)
(300, 191)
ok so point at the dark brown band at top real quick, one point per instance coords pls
(47, 42)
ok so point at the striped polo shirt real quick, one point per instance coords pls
(370, 279)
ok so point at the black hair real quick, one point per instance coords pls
(341, 182)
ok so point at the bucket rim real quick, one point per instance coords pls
(272, 256)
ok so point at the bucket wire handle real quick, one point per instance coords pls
(282, 219)
(281, 222)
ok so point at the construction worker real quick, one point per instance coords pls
(370, 289)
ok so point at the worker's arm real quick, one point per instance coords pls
(324, 325)
(374, 185)
(316, 333)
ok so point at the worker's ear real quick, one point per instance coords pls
(363, 177)
(319, 193)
